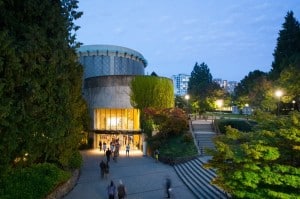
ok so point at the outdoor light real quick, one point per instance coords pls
(293, 104)
(278, 94)
(219, 103)
(187, 97)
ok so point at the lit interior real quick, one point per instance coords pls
(117, 119)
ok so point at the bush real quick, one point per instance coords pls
(187, 138)
(75, 161)
(32, 182)
(241, 125)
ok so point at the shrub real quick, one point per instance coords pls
(187, 138)
(75, 161)
(32, 182)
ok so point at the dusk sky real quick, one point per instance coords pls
(233, 37)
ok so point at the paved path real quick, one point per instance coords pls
(142, 176)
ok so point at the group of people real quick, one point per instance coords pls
(120, 190)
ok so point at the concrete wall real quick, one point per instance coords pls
(108, 91)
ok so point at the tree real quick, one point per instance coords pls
(260, 164)
(40, 82)
(288, 44)
(255, 89)
(151, 92)
(201, 86)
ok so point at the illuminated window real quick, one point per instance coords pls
(117, 119)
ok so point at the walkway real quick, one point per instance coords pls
(142, 176)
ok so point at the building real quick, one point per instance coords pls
(229, 86)
(180, 83)
(108, 71)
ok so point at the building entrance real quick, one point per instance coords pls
(134, 141)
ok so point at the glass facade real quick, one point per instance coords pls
(117, 119)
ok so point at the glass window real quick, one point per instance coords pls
(117, 119)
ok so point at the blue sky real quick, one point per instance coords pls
(233, 37)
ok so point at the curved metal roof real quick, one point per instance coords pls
(112, 48)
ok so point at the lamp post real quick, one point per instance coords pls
(219, 104)
(278, 94)
(187, 97)
(293, 104)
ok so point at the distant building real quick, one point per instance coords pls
(227, 85)
(180, 83)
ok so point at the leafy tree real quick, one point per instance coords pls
(40, 82)
(152, 91)
(288, 44)
(255, 89)
(260, 164)
(201, 86)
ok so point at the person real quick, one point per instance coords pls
(127, 150)
(102, 168)
(116, 153)
(106, 170)
(108, 154)
(100, 145)
(156, 154)
(111, 190)
(121, 190)
(104, 147)
(168, 186)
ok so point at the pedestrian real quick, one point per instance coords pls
(156, 154)
(106, 170)
(108, 154)
(121, 190)
(115, 153)
(168, 186)
(127, 149)
(111, 190)
(102, 166)
(100, 145)
(104, 147)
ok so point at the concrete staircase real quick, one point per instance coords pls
(198, 179)
(203, 134)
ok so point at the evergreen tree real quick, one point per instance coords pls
(40, 82)
(288, 45)
(201, 86)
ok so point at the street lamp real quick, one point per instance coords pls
(187, 97)
(278, 94)
(293, 104)
(219, 104)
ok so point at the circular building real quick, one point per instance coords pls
(108, 71)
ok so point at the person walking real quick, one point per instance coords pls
(111, 190)
(102, 166)
(108, 154)
(104, 147)
(121, 190)
(100, 145)
(168, 186)
(127, 149)
(156, 154)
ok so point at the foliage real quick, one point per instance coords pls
(288, 44)
(202, 89)
(152, 91)
(75, 161)
(264, 163)
(176, 146)
(32, 182)
(171, 121)
(241, 125)
(42, 108)
(256, 90)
